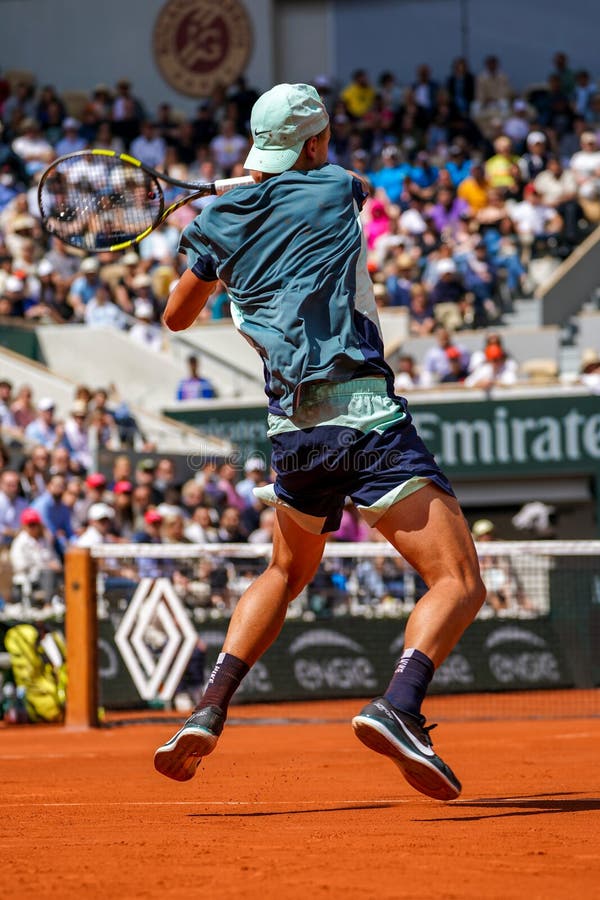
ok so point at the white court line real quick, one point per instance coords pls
(291, 803)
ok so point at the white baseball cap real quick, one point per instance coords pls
(99, 511)
(282, 120)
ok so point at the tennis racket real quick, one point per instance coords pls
(99, 200)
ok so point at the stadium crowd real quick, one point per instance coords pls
(472, 182)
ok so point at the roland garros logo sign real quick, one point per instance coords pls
(200, 44)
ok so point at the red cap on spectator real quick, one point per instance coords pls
(494, 353)
(123, 487)
(530, 189)
(30, 516)
(453, 352)
(152, 516)
(96, 480)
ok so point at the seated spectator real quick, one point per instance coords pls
(457, 370)
(377, 225)
(585, 166)
(479, 278)
(533, 220)
(22, 409)
(228, 147)
(195, 386)
(557, 188)
(32, 146)
(123, 522)
(145, 331)
(44, 429)
(496, 369)
(84, 287)
(502, 169)
(459, 165)
(448, 295)
(255, 470)
(200, 528)
(71, 141)
(149, 146)
(504, 590)
(422, 319)
(55, 514)
(447, 211)
(100, 517)
(390, 177)
(101, 312)
(436, 363)
(9, 427)
(535, 158)
(358, 95)
(35, 564)
(492, 89)
(406, 377)
(12, 505)
(516, 125)
(264, 533)
(229, 530)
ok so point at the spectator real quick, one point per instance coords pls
(461, 86)
(359, 95)
(145, 331)
(85, 286)
(496, 369)
(55, 514)
(35, 564)
(589, 371)
(12, 505)
(228, 147)
(22, 409)
(123, 522)
(101, 312)
(200, 529)
(492, 89)
(390, 177)
(448, 295)
(534, 220)
(585, 165)
(535, 158)
(72, 141)
(100, 517)
(436, 363)
(502, 169)
(149, 146)
(254, 469)
(33, 148)
(44, 429)
(474, 189)
(195, 386)
(229, 530)
(457, 370)
(422, 319)
(504, 591)
(407, 376)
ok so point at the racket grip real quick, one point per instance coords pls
(226, 184)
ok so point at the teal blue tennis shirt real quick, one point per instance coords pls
(292, 254)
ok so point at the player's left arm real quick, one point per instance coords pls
(186, 301)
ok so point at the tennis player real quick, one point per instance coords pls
(291, 251)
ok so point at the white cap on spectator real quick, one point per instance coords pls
(254, 464)
(536, 137)
(99, 511)
(13, 284)
(130, 259)
(45, 267)
(89, 265)
(71, 123)
(445, 267)
(519, 105)
(143, 309)
(46, 403)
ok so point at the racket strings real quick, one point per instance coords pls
(95, 202)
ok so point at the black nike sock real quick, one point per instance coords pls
(224, 681)
(406, 691)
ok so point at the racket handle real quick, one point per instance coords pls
(226, 184)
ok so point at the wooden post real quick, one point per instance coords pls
(81, 632)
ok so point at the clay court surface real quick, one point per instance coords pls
(291, 805)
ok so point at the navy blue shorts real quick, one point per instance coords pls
(348, 440)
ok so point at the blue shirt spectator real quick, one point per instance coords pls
(55, 514)
(195, 387)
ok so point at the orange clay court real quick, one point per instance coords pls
(291, 805)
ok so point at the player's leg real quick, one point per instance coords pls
(254, 625)
(430, 532)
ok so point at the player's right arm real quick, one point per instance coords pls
(186, 301)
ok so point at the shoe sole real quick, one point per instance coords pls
(180, 757)
(420, 774)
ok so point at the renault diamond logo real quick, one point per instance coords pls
(155, 607)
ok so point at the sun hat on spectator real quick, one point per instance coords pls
(13, 285)
(536, 137)
(141, 281)
(254, 464)
(282, 119)
(45, 267)
(23, 222)
(142, 309)
(99, 511)
(146, 465)
(30, 516)
(89, 266)
(152, 517)
(482, 527)
(45, 404)
(446, 267)
(123, 487)
(95, 480)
